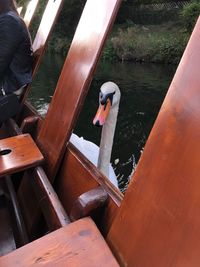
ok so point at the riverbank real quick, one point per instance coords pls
(163, 43)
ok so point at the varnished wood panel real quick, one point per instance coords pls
(46, 26)
(18, 153)
(158, 221)
(74, 81)
(78, 244)
(30, 10)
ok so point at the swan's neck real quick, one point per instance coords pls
(106, 143)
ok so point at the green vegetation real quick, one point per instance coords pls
(161, 44)
(190, 14)
(143, 32)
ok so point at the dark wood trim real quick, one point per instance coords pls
(88, 202)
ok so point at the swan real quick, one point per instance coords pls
(106, 116)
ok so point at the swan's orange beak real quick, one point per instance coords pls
(102, 113)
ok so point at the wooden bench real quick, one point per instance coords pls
(77, 244)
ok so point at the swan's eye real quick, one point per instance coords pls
(100, 96)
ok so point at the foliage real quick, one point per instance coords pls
(190, 14)
(148, 44)
(129, 42)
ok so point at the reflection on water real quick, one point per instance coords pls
(143, 88)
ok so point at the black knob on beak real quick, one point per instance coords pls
(97, 123)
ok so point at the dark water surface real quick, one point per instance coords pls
(143, 88)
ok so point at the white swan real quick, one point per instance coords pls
(106, 116)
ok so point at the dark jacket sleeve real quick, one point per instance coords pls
(10, 33)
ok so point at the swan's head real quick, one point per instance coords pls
(109, 98)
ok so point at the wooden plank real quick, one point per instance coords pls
(47, 23)
(160, 216)
(18, 153)
(93, 28)
(78, 244)
(30, 11)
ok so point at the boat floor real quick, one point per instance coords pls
(7, 241)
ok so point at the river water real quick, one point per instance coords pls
(143, 88)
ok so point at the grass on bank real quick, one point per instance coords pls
(154, 43)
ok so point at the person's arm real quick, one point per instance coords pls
(10, 33)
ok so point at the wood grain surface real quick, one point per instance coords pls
(18, 153)
(78, 244)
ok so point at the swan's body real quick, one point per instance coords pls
(107, 117)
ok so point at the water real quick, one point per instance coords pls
(143, 88)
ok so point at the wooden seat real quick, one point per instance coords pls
(18, 153)
(77, 244)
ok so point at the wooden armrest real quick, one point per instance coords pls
(18, 153)
(88, 202)
(77, 244)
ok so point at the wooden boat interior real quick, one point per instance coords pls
(80, 63)
(156, 223)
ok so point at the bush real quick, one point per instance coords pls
(150, 44)
(189, 15)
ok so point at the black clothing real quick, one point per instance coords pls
(15, 53)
